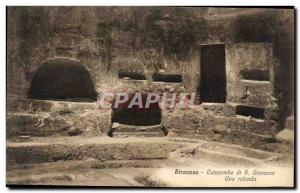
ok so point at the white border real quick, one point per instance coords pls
(103, 3)
(154, 2)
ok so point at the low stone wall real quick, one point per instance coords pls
(45, 118)
(210, 123)
(33, 118)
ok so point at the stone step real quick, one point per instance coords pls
(122, 130)
(106, 148)
(117, 127)
(63, 122)
(78, 148)
(33, 105)
(139, 134)
(26, 124)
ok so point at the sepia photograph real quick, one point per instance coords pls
(150, 96)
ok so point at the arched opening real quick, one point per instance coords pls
(62, 79)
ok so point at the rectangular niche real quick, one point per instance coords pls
(135, 115)
(172, 78)
(259, 75)
(255, 112)
(129, 75)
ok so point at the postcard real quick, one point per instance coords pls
(105, 96)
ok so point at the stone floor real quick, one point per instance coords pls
(137, 161)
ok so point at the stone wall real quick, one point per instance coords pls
(252, 59)
(155, 39)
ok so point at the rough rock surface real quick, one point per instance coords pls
(45, 118)
(104, 161)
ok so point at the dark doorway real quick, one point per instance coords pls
(62, 79)
(213, 74)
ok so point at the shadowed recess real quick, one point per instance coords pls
(62, 79)
(173, 78)
(131, 75)
(254, 112)
(135, 115)
(260, 75)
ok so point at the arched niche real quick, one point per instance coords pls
(62, 79)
